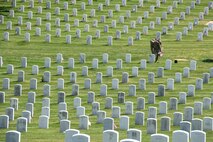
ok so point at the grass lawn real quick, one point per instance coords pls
(37, 49)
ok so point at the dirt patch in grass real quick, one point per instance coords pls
(210, 22)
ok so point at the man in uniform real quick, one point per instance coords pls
(156, 45)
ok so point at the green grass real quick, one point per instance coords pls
(37, 49)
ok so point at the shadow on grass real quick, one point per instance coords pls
(4, 9)
(207, 60)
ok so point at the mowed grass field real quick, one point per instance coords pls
(37, 49)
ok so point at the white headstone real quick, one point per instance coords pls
(139, 118)
(80, 110)
(110, 13)
(83, 6)
(178, 36)
(6, 83)
(68, 39)
(110, 41)
(191, 90)
(48, 38)
(170, 84)
(145, 30)
(146, 14)
(198, 108)
(80, 138)
(160, 72)
(110, 136)
(182, 98)
(103, 19)
(98, 77)
(39, 10)
(164, 16)
(70, 132)
(161, 90)
(92, 13)
(186, 72)
(100, 7)
(43, 122)
(180, 135)
(182, 15)
(130, 41)
(66, 17)
(188, 114)
(188, 10)
(48, 16)
(27, 37)
(197, 124)
(38, 31)
(140, 103)
(208, 124)
(10, 69)
(1, 19)
(3, 119)
(186, 126)
(121, 19)
(200, 36)
(198, 136)
(206, 103)
(14, 103)
(84, 122)
(117, 7)
(86, 28)
(101, 115)
(151, 77)
(124, 122)
(46, 90)
(177, 118)
(151, 126)
(1, 61)
(129, 108)
(151, 97)
(121, 97)
(162, 107)
(9, 26)
(173, 104)
(17, 90)
(165, 123)
(108, 124)
(13, 136)
(89, 40)
(108, 103)
(31, 97)
(95, 23)
(152, 112)
(64, 125)
(48, 27)
(21, 124)
(206, 11)
(60, 83)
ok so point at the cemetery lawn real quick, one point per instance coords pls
(37, 49)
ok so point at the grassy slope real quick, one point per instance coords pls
(37, 50)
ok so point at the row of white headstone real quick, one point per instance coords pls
(89, 40)
(189, 124)
(90, 2)
(173, 101)
(133, 135)
(117, 7)
(115, 81)
(110, 38)
(96, 62)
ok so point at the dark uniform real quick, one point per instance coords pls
(156, 48)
